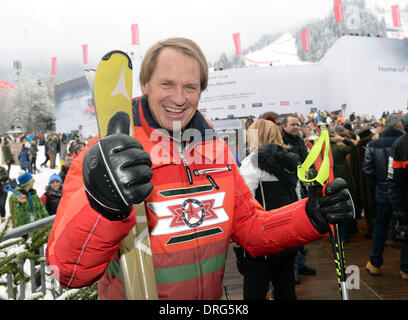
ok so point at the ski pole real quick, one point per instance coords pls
(226, 293)
(324, 167)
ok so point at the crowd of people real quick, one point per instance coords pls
(25, 204)
(366, 154)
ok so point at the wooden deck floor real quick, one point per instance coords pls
(323, 286)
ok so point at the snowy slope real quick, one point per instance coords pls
(281, 52)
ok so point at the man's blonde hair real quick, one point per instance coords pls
(186, 46)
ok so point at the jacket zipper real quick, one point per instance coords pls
(210, 178)
(187, 168)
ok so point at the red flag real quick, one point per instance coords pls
(135, 34)
(304, 34)
(54, 66)
(237, 43)
(338, 11)
(396, 18)
(85, 53)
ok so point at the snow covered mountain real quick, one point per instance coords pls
(365, 18)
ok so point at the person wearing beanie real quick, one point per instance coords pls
(53, 194)
(27, 207)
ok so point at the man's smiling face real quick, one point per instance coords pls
(173, 89)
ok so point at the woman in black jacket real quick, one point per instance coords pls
(270, 172)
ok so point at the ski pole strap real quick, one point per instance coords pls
(314, 153)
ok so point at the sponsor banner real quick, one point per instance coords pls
(396, 18)
(135, 34)
(54, 66)
(85, 53)
(237, 43)
(256, 90)
(304, 35)
(338, 11)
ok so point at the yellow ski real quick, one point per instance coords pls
(113, 93)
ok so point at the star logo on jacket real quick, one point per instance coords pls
(192, 213)
(184, 214)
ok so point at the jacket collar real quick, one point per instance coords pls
(391, 133)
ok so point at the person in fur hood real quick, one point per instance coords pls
(270, 172)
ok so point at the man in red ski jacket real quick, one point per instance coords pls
(195, 198)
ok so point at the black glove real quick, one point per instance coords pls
(400, 225)
(116, 171)
(336, 207)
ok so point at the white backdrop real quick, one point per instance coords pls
(368, 75)
(255, 90)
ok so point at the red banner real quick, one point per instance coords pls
(338, 11)
(237, 43)
(85, 53)
(304, 35)
(135, 34)
(54, 66)
(396, 18)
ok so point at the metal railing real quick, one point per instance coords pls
(28, 230)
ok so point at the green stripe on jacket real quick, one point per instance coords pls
(190, 271)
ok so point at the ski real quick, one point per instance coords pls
(111, 86)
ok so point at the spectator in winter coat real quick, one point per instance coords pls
(4, 180)
(7, 154)
(376, 161)
(52, 151)
(26, 207)
(270, 173)
(398, 188)
(46, 153)
(291, 137)
(24, 159)
(33, 156)
(341, 146)
(364, 191)
(52, 195)
(68, 158)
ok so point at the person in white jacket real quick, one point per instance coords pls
(270, 172)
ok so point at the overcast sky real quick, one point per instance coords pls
(36, 30)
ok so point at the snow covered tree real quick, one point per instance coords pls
(30, 105)
(322, 34)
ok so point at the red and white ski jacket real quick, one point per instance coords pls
(197, 205)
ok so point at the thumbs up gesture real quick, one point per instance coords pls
(117, 171)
